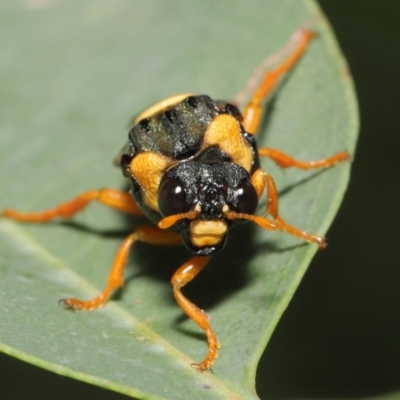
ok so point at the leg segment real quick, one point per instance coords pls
(262, 180)
(253, 110)
(116, 199)
(286, 161)
(146, 234)
(181, 277)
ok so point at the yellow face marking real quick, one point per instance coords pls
(162, 105)
(207, 233)
(148, 168)
(224, 131)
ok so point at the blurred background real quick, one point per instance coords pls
(339, 337)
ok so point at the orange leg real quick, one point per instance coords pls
(120, 201)
(262, 180)
(286, 161)
(181, 277)
(146, 234)
(253, 110)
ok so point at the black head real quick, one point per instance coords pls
(209, 189)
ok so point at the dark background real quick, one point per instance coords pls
(340, 335)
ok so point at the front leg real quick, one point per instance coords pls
(261, 180)
(147, 234)
(181, 277)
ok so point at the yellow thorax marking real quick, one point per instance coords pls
(148, 168)
(224, 131)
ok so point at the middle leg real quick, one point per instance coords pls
(286, 161)
(116, 199)
(148, 234)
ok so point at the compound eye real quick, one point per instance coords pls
(247, 197)
(172, 197)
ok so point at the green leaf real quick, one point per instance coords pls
(73, 74)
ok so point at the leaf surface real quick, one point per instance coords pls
(73, 74)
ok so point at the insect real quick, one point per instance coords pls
(195, 171)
